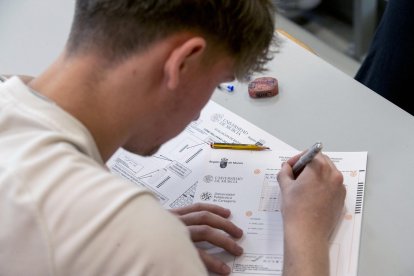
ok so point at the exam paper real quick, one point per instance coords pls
(173, 172)
(246, 183)
(183, 164)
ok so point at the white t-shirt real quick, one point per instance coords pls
(63, 213)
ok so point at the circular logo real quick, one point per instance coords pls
(205, 196)
(216, 117)
(208, 178)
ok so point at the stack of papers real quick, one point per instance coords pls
(186, 170)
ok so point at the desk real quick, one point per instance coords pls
(316, 102)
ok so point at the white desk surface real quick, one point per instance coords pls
(316, 102)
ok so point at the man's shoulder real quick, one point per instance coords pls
(27, 117)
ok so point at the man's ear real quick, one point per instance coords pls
(182, 58)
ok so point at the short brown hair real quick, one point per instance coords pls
(118, 28)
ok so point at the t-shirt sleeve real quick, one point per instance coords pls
(100, 224)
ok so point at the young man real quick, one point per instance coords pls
(133, 74)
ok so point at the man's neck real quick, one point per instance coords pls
(79, 86)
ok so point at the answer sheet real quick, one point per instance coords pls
(246, 183)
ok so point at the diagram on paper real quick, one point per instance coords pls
(173, 172)
(168, 174)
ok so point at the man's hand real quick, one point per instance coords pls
(209, 222)
(311, 206)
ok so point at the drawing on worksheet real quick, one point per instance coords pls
(163, 172)
(248, 187)
(173, 172)
(186, 198)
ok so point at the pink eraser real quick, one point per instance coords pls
(263, 87)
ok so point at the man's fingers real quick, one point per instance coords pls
(197, 207)
(216, 237)
(209, 223)
(291, 161)
(212, 220)
(285, 176)
(213, 264)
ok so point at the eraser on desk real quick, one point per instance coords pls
(263, 87)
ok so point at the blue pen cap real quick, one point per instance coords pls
(226, 87)
(230, 87)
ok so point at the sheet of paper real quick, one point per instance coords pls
(173, 172)
(246, 183)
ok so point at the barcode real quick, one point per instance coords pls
(194, 155)
(360, 192)
(163, 182)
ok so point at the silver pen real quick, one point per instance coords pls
(306, 158)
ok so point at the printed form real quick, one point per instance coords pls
(246, 183)
(186, 165)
